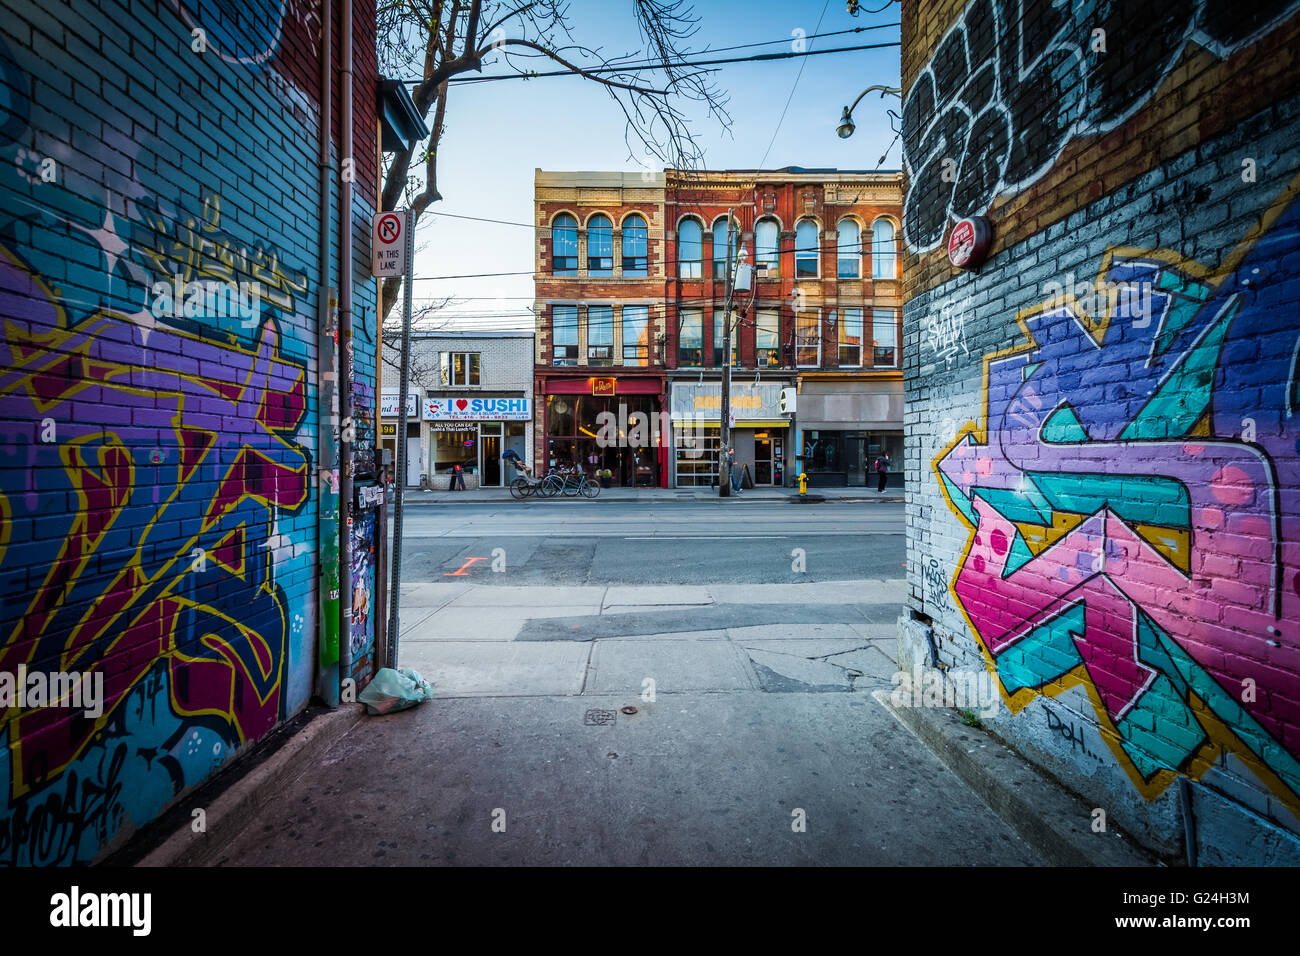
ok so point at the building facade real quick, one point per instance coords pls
(631, 293)
(599, 378)
(823, 318)
(470, 400)
(1103, 454)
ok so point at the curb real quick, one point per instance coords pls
(1055, 823)
(784, 499)
(229, 812)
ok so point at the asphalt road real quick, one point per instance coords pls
(589, 542)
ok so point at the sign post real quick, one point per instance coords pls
(392, 250)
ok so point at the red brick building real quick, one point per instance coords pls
(630, 294)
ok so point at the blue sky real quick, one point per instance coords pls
(496, 133)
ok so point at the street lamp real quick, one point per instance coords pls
(845, 128)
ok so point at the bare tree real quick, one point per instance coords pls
(440, 39)
(424, 370)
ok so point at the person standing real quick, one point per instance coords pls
(731, 471)
(457, 477)
(882, 471)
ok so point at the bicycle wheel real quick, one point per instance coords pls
(590, 489)
(519, 488)
(548, 487)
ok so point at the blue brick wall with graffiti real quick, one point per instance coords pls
(159, 426)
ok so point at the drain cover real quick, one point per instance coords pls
(629, 710)
(599, 718)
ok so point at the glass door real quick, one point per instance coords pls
(762, 460)
(490, 473)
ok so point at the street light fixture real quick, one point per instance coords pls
(845, 128)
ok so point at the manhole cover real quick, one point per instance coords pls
(599, 718)
(629, 710)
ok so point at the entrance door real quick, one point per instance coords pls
(762, 461)
(490, 471)
(412, 462)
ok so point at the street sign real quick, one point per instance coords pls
(388, 245)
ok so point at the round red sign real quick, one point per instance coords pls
(969, 241)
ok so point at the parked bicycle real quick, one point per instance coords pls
(560, 482)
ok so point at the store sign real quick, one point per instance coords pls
(603, 386)
(477, 409)
(389, 408)
(969, 242)
(748, 402)
(388, 431)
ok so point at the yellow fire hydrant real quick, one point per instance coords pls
(803, 483)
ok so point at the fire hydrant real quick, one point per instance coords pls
(803, 483)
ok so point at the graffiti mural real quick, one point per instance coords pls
(975, 126)
(1133, 503)
(159, 412)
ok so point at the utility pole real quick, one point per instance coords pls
(724, 410)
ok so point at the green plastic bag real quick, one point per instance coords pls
(394, 690)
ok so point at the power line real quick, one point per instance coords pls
(616, 64)
(789, 99)
(757, 57)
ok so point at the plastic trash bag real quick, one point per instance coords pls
(394, 690)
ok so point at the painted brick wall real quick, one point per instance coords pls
(157, 494)
(1103, 462)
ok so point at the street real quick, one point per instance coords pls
(639, 685)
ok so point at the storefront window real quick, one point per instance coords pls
(823, 451)
(458, 447)
(559, 414)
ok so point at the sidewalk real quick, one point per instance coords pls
(768, 495)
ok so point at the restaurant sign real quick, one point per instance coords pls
(748, 402)
(484, 409)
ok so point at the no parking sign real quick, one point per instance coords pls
(388, 245)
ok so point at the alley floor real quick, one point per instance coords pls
(597, 721)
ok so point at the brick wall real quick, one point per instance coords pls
(1102, 455)
(157, 486)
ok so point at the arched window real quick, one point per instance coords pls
(720, 246)
(766, 250)
(600, 246)
(564, 245)
(690, 249)
(884, 255)
(806, 253)
(635, 246)
(849, 250)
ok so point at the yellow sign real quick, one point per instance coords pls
(388, 431)
(602, 386)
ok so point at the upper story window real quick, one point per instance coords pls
(636, 335)
(884, 332)
(720, 247)
(849, 250)
(564, 245)
(600, 335)
(806, 251)
(850, 337)
(808, 339)
(767, 254)
(884, 254)
(690, 249)
(600, 246)
(719, 345)
(564, 335)
(636, 245)
(690, 341)
(459, 368)
(767, 338)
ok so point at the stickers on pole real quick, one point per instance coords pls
(388, 244)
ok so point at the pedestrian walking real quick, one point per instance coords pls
(731, 470)
(457, 477)
(882, 471)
